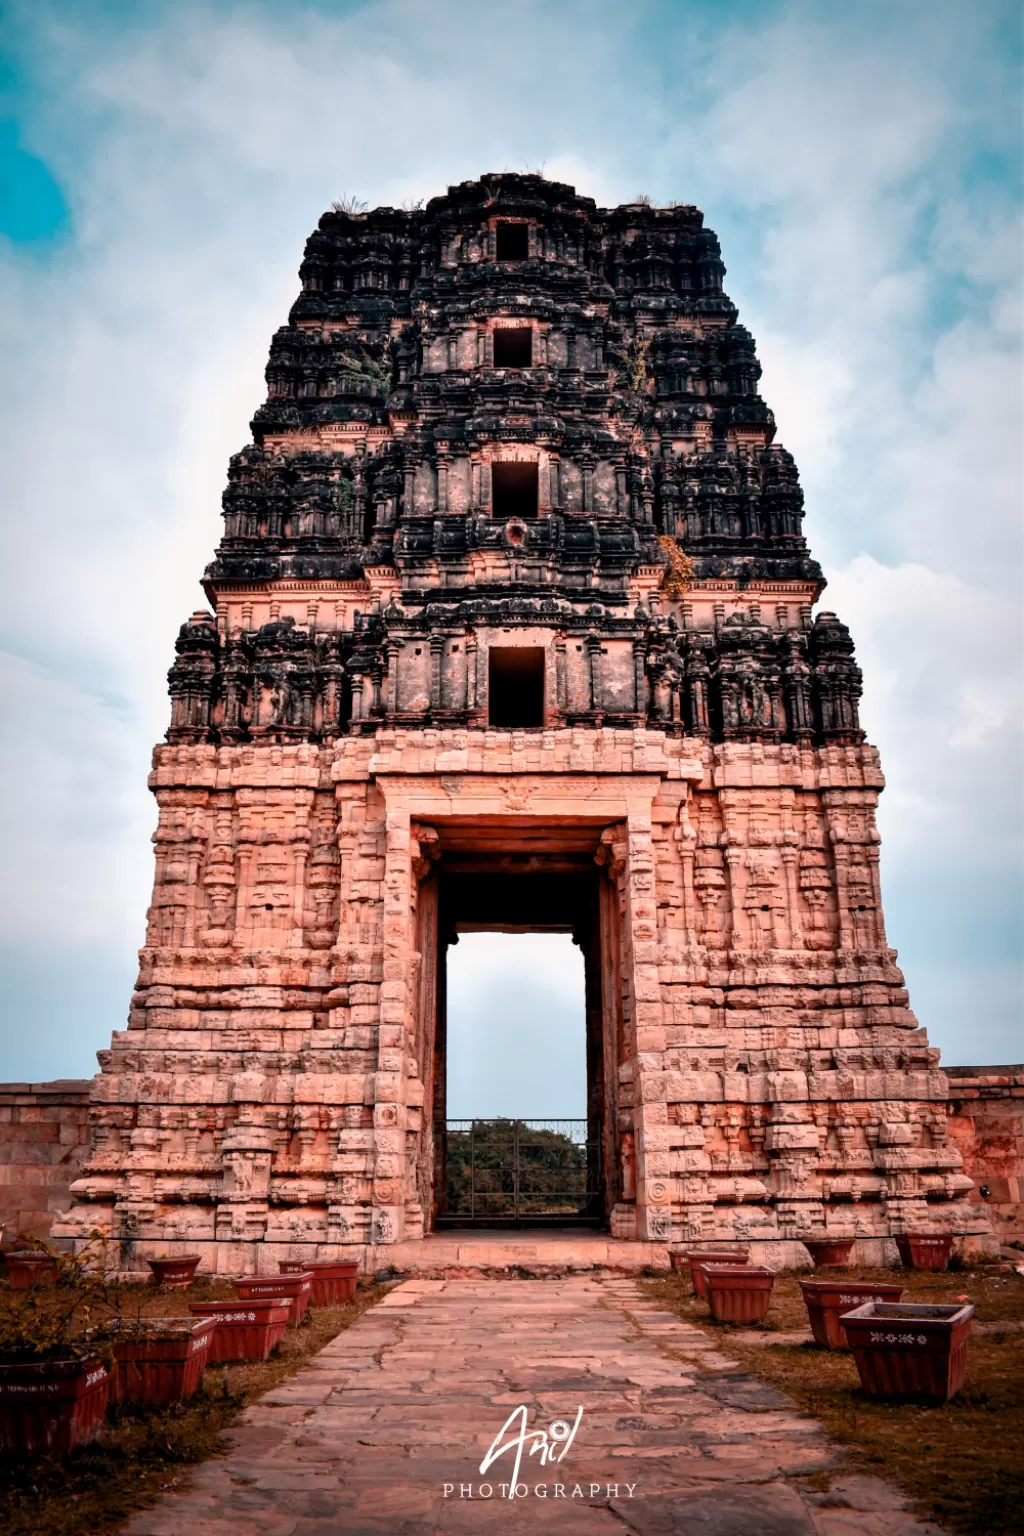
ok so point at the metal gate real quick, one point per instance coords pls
(520, 1173)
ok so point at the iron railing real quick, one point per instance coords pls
(519, 1172)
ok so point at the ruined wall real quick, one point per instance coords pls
(44, 1138)
(986, 1124)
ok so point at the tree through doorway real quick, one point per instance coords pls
(516, 1080)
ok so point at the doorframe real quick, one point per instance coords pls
(583, 906)
(417, 811)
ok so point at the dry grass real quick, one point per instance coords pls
(145, 1451)
(962, 1464)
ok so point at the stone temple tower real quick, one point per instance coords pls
(512, 625)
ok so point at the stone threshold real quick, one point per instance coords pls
(448, 1255)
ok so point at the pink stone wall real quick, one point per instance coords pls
(44, 1138)
(766, 1078)
(986, 1122)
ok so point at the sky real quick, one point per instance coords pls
(516, 1027)
(160, 168)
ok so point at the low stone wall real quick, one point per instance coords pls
(986, 1121)
(44, 1138)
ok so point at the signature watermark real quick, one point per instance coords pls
(550, 1446)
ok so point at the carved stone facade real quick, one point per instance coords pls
(513, 592)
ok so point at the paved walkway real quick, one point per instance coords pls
(384, 1434)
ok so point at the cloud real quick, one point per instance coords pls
(516, 1026)
(72, 868)
(858, 167)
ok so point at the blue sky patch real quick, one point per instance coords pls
(32, 206)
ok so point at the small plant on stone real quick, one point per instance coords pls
(634, 364)
(679, 572)
(349, 205)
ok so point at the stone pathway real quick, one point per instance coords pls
(383, 1435)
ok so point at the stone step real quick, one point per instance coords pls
(445, 1255)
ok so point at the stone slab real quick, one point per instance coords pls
(384, 1434)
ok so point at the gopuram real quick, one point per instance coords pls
(512, 626)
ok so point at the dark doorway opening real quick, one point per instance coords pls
(512, 242)
(513, 489)
(515, 686)
(513, 346)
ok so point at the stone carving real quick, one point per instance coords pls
(407, 519)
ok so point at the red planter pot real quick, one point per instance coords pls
(176, 1274)
(244, 1330)
(697, 1257)
(826, 1300)
(829, 1252)
(27, 1269)
(46, 1409)
(903, 1350)
(295, 1289)
(165, 1366)
(334, 1280)
(922, 1251)
(738, 1293)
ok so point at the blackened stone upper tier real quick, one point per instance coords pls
(392, 413)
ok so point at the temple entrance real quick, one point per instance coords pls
(516, 1080)
(492, 1163)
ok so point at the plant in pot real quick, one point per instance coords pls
(904, 1349)
(738, 1293)
(294, 1288)
(156, 1360)
(54, 1358)
(697, 1259)
(828, 1252)
(827, 1300)
(243, 1330)
(924, 1250)
(334, 1280)
(30, 1263)
(175, 1274)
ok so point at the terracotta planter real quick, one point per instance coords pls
(165, 1366)
(738, 1293)
(176, 1274)
(27, 1269)
(295, 1288)
(46, 1409)
(922, 1251)
(697, 1257)
(828, 1252)
(244, 1330)
(903, 1350)
(826, 1300)
(334, 1280)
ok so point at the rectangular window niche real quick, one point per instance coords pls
(515, 695)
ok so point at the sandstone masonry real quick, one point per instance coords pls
(512, 625)
(44, 1140)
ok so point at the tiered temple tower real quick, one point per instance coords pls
(512, 624)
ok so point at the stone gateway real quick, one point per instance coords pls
(511, 627)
